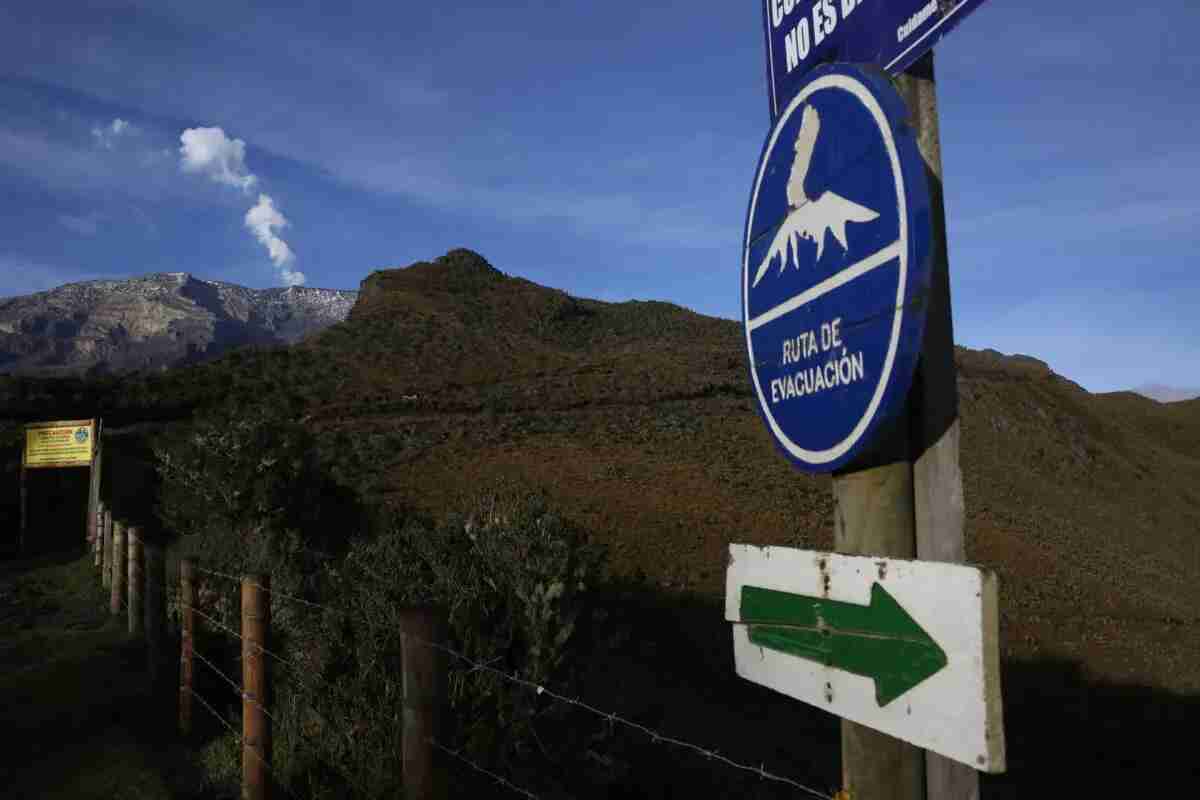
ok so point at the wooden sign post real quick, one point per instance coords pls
(94, 478)
(938, 507)
(911, 505)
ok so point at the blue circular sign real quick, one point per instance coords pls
(835, 267)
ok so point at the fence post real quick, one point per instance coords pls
(118, 566)
(98, 535)
(106, 551)
(24, 505)
(136, 580)
(256, 728)
(156, 610)
(187, 600)
(424, 675)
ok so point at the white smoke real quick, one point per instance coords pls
(210, 152)
(263, 220)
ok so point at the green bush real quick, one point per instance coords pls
(514, 579)
(515, 582)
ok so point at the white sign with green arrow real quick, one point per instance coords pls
(906, 647)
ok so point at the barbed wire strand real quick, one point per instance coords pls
(299, 670)
(236, 689)
(303, 738)
(612, 718)
(499, 779)
(309, 603)
(242, 742)
(216, 622)
(265, 589)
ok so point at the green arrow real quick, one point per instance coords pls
(879, 641)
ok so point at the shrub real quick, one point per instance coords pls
(245, 493)
(515, 582)
(514, 579)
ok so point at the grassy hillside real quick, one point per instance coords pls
(637, 420)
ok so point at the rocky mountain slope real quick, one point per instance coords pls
(154, 321)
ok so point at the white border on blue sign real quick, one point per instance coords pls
(846, 83)
(937, 26)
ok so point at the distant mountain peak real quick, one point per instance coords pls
(463, 258)
(156, 320)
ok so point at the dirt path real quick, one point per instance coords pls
(78, 719)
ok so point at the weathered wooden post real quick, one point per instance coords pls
(913, 507)
(94, 470)
(118, 567)
(424, 675)
(106, 547)
(97, 535)
(187, 601)
(136, 580)
(156, 610)
(938, 505)
(24, 503)
(256, 727)
(874, 516)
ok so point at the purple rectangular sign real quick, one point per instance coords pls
(891, 34)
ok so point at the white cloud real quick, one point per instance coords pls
(107, 135)
(210, 152)
(263, 220)
(292, 277)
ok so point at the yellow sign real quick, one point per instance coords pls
(60, 444)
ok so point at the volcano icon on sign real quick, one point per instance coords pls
(808, 218)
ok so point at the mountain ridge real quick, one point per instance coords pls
(154, 321)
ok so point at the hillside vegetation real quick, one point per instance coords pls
(636, 423)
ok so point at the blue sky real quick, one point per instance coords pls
(607, 149)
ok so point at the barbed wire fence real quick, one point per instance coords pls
(214, 607)
(610, 718)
